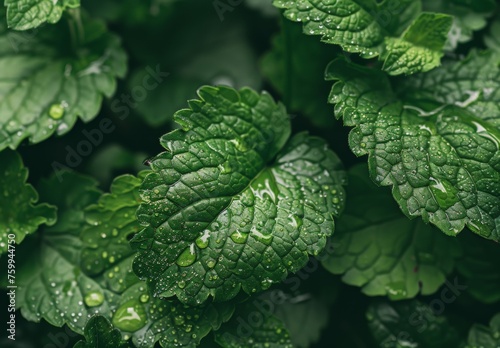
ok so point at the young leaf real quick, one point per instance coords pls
(28, 14)
(382, 251)
(481, 336)
(51, 284)
(47, 84)
(231, 204)
(435, 140)
(374, 28)
(410, 324)
(250, 327)
(18, 214)
(100, 333)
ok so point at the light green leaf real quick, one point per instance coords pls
(468, 17)
(375, 28)
(28, 14)
(47, 84)
(19, 216)
(481, 336)
(231, 204)
(435, 139)
(241, 331)
(421, 46)
(382, 251)
(100, 333)
(50, 284)
(410, 324)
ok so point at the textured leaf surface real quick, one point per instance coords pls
(380, 250)
(107, 257)
(100, 333)
(410, 324)
(18, 213)
(46, 85)
(374, 28)
(436, 140)
(225, 208)
(268, 332)
(27, 14)
(468, 17)
(51, 284)
(481, 336)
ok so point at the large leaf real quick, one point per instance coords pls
(49, 79)
(410, 324)
(406, 40)
(481, 336)
(19, 216)
(382, 251)
(27, 14)
(51, 284)
(231, 204)
(436, 140)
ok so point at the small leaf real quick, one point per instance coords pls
(265, 332)
(19, 216)
(382, 251)
(231, 204)
(435, 139)
(99, 333)
(47, 84)
(410, 324)
(28, 14)
(481, 336)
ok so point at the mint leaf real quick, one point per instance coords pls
(481, 336)
(231, 204)
(479, 266)
(436, 140)
(409, 324)
(491, 39)
(51, 284)
(380, 250)
(295, 66)
(268, 332)
(421, 46)
(19, 216)
(374, 28)
(47, 85)
(468, 17)
(28, 14)
(100, 333)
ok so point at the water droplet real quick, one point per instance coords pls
(181, 284)
(130, 316)
(179, 320)
(239, 237)
(56, 111)
(93, 298)
(211, 263)
(444, 192)
(396, 290)
(202, 241)
(144, 298)
(188, 257)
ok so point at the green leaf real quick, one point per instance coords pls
(28, 14)
(231, 204)
(479, 266)
(380, 250)
(492, 40)
(435, 140)
(409, 324)
(468, 17)
(295, 66)
(100, 333)
(485, 337)
(51, 284)
(421, 46)
(374, 28)
(252, 327)
(19, 216)
(47, 83)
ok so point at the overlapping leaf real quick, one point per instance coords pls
(47, 83)
(28, 14)
(19, 216)
(407, 40)
(231, 204)
(100, 333)
(436, 139)
(482, 336)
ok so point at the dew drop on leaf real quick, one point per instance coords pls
(130, 316)
(94, 299)
(56, 111)
(188, 257)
